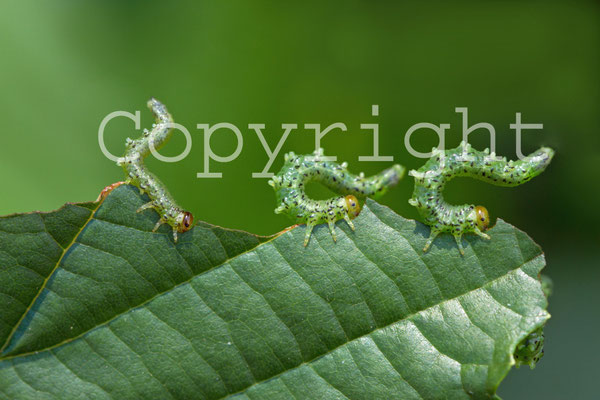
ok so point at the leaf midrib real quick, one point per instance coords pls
(43, 286)
(106, 322)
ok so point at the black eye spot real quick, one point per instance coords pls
(483, 219)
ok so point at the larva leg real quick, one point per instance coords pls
(458, 239)
(432, 237)
(145, 206)
(158, 224)
(481, 234)
(349, 221)
(309, 229)
(332, 230)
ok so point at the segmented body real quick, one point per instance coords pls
(297, 171)
(530, 350)
(431, 179)
(138, 175)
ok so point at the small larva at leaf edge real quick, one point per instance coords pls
(137, 173)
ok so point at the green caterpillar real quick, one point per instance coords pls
(530, 350)
(138, 175)
(431, 179)
(299, 170)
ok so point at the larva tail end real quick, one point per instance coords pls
(160, 111)
(400, 170)
(152, 103)
(392, 176)
(541, 157)
(107, 190)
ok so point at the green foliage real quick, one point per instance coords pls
(95, 305)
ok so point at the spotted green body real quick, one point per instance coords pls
(297, 171)
(465, 161)
(138, 175)
(530, 350)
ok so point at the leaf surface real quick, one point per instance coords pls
(95, 305)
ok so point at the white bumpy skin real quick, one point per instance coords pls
(138, 175)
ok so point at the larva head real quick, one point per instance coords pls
(352, 206)
(185, 224)
(482, 218)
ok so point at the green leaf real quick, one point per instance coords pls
(95, 305)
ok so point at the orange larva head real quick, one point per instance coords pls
(482, 218)
(186, 222)
(352, 206)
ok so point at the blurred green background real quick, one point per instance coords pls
(65, 65)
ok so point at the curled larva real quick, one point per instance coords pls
(138, 175)
(530, 350)
(466, 161)
(298, 170)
